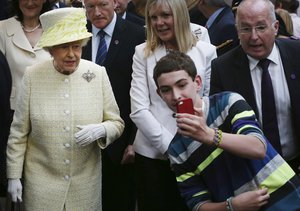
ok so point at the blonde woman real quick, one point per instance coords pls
(168, 28)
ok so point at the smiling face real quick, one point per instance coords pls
(66, 56)
(256, 29)
(162, 22)
(31, 8)
(177, 85)
(100, 12)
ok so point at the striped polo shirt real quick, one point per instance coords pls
(207, 173)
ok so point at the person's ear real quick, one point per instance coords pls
(158, 92)
(276, 26)
(198, 82)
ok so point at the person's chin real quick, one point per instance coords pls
(69, 68)
(100, 23)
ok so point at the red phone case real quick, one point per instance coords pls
(186, 106)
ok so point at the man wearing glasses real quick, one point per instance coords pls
(266, 72)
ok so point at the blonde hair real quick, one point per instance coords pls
(286, 17)
(185, 39)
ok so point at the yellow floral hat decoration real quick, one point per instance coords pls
(63, 26)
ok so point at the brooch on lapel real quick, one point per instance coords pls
(88, 76)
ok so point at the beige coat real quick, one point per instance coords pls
(18, 52)
(57, 171)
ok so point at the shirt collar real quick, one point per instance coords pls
(124, 15)
(273, 56)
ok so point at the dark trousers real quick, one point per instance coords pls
(156, 186)
(295, 164)
(118, 185)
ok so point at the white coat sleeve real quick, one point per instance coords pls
(141, 114)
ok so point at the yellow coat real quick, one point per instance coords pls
(57, 171)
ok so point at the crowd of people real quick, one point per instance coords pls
(89, 96)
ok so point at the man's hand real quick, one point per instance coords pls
(15, 189)
(89, 133)
(251, 200)
(128, 156)
(195, 126)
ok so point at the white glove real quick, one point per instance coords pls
(89, 133)
(15, 189)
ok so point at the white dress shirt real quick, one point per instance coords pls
(109, 29)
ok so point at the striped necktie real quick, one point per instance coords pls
(102, 49)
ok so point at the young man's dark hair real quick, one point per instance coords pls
(175, 60)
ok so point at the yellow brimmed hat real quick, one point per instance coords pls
(63, 26)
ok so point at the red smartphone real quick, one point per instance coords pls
(185, 106)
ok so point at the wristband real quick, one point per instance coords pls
(217, 137)
(229, 204)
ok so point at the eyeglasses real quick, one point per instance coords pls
(258, 29)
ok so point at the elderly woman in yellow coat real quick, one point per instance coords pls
(66, 113)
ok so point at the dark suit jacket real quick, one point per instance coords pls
(118, 65)
(222, 30)
(5, 89)
(131, 8)
(230, 72)
(197, 17)
(135, 19)
(5, 118)
(4, 9)
(62, 5)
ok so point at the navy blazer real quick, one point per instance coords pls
(223, 29)
(135, 19)
(118, 64)
(4, 9)
(5, 119)
(5, 90)
(230, 72)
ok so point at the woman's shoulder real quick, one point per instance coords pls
(202, 44)
(10, 24)
(204, 48)
(39, 70)
(140, 47)
(86, 65)
(9, 20)
(90, 65)
(40, 66)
